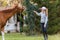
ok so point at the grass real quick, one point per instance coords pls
(18, 36)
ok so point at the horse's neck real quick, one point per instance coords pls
(10, 14)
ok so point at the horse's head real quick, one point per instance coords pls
(20, 9)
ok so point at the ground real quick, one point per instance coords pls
(18, 36)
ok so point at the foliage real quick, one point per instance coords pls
(54, 14)
(30, 20)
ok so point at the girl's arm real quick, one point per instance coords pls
(46, 20)
(37, 13)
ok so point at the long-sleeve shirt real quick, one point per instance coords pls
(44, 18)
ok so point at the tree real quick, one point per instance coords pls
(54, 14)
(31, 16)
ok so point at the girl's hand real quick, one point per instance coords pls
(34, 11)
(44, 26)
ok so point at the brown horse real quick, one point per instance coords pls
(5, 14)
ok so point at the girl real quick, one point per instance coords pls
(44, 20)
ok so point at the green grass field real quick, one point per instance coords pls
(17, 36)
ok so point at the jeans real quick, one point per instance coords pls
(44, 30)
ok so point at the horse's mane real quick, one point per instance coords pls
(7, 9)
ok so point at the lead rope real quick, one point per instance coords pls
(22, 7)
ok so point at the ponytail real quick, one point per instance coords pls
(46, 12)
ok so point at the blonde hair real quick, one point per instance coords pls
(46, 12)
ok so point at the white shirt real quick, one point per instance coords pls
(44, 18)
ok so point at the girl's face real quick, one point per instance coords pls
(43, 10)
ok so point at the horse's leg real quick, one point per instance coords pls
(2, 31)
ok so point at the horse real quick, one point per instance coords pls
(6, 13)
